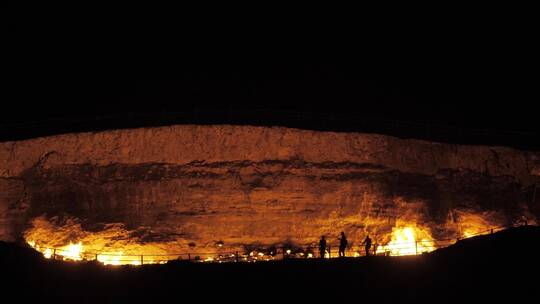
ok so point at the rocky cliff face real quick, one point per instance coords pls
(195, 185)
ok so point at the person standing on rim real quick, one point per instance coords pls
(322, 247)
(367, 242)
(342, 244)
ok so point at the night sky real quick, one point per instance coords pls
(470, 86)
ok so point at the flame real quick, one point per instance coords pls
(72, 251)
(112, 259)
(47, 253)
(408, 240)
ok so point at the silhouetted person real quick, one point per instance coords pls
(342, 244)
(367, 243)
(322, 246)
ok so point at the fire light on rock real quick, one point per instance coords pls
(470, 223)
(154, 194)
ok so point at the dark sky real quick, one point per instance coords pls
(470, 80)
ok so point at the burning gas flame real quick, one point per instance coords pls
(408, 240)
(47, 253)
(112, 259)
(72, 251)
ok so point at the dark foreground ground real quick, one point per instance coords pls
(502, 266)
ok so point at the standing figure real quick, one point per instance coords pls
(342, 244)
(322, 247)
(367, 242)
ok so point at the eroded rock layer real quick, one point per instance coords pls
(193, 186)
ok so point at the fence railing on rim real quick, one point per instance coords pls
(279, 253)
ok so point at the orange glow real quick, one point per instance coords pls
(114, 245)
(111, 246)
